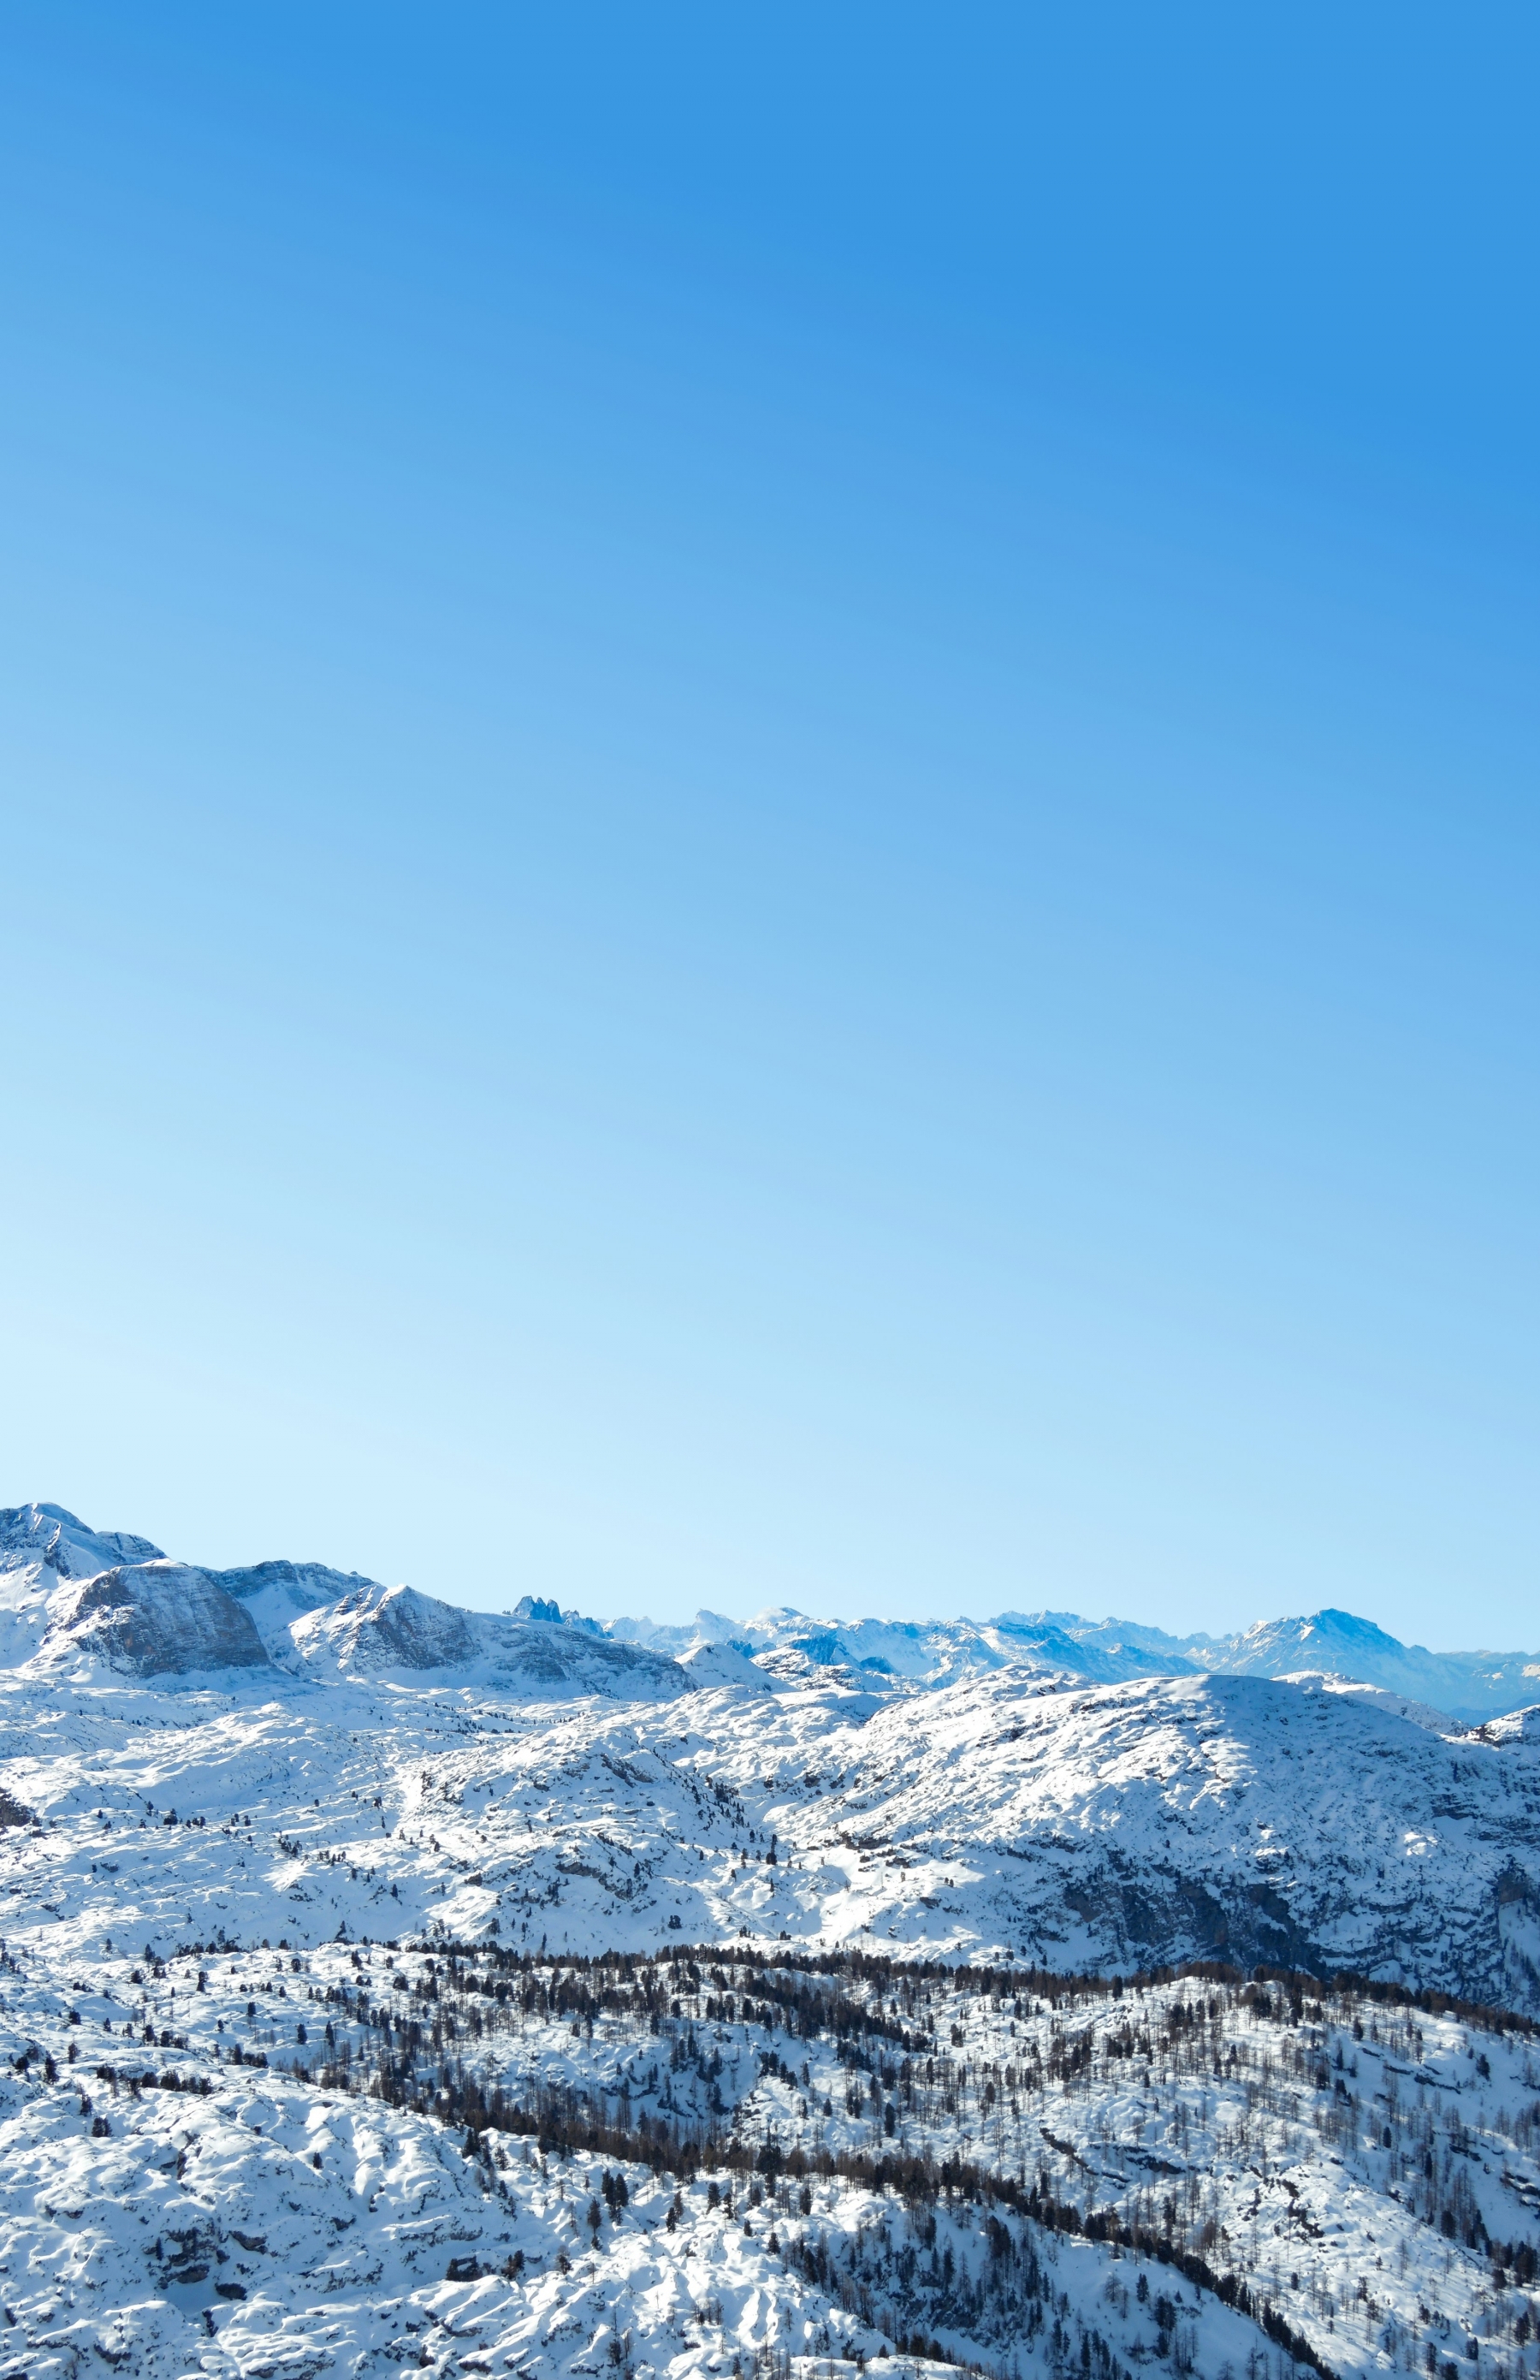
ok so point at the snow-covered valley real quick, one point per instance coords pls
(384, 1937)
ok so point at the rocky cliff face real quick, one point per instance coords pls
(276, 1594)
(150, 1620)
(378, 1630)
(47, 1537)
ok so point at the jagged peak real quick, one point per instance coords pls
(58, 1539)
(41, 1543)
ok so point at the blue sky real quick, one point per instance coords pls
(770, 802)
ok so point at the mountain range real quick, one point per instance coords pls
(354, 1947)
(69, 1593)
(1036, 1786)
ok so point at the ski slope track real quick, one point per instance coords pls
(385, 1934)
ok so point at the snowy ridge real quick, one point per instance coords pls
(348, 2019)
(276, 1594)
(1102, 1829)
(305, 1613)
(44, 1537)
(381, 1631)
(921, 1653)
(71, 1605)
(1469, 1687)
(1327, 1681)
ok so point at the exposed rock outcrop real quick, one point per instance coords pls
(151, 1620)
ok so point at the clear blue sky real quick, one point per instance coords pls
(771, 801)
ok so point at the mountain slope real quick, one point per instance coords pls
(1470, 1686)
(373, 2159)
(380, 1632)
(43, 1545)
(160, 1618)
(276, 1594)
(1105, 1828)
(44, 1537)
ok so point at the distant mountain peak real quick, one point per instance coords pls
(60, 1541)
(302, 1613)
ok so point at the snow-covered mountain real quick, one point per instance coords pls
(40, 1546)
(1101, 1827)
(959, 1788)
(277, 1594)
(923, 1653)
(77, 1604)
(356, 1948)
(306, 1614)
(393, 1631)
(44, 1537)
(1469, 1687)
(232, 1920)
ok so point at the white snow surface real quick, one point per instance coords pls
(168, 2206)
(267, 1776)
(1468, 1686)
(1384, 1698)
(1102, 1828)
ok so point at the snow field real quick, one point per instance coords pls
(271, 2228)
(264, 1940)
(1107, 1829)
(1353, 2164)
